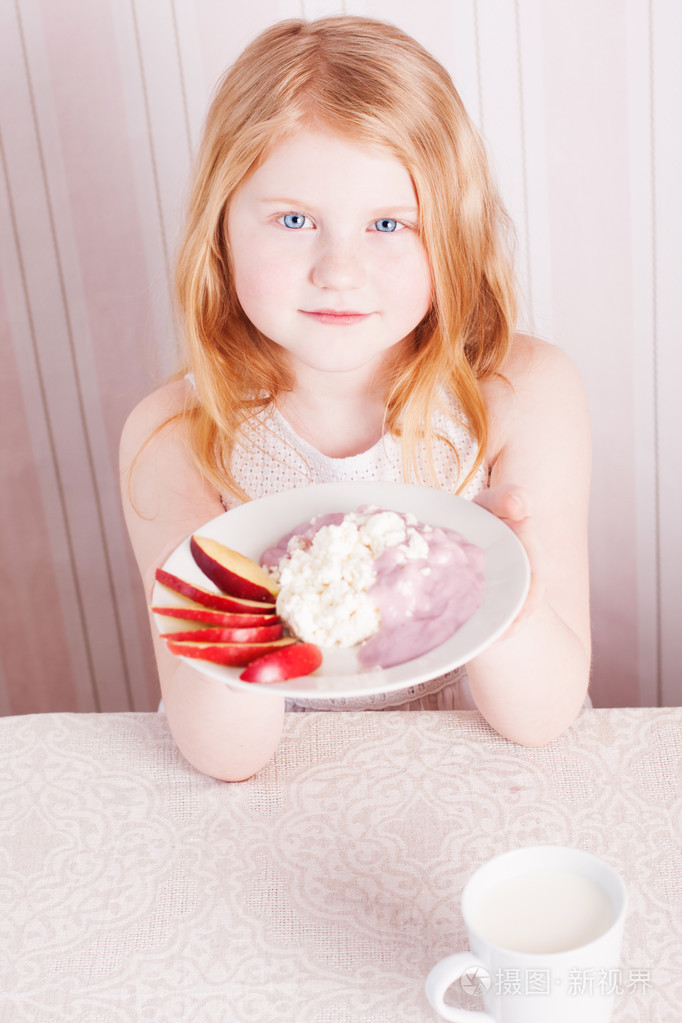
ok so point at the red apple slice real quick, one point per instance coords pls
(206, 598)
(233, 573)
(235, 654)
(259, 634)
(167, 625)
(289, 662)
(206, 616)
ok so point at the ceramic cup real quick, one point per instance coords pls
(545, 926)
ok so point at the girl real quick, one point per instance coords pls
(348, 310)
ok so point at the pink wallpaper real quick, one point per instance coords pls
(101, 104)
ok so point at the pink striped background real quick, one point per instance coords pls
(101, 103)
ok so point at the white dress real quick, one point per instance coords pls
(271, 457)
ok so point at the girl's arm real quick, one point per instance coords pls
(531, 684)
(224, 733)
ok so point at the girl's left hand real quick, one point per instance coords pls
(513, 506)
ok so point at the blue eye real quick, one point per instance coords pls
(294, 221)
(386, 224)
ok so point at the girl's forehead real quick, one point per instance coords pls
(328, 159)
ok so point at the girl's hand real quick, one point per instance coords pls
(513, 506)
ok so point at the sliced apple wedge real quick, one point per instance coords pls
(235, 654)
(233, 573)
(279, 665)
(259, 634)
(166, 625)
(206, 598)
(223, 619)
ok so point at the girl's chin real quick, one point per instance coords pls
(340, 358)
(339, 367)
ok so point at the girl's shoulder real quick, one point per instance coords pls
(537, 387)
(165, 497)
(167, 400)
(532, 362)
(164, 405)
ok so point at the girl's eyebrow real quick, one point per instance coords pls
(397, 208)
(282, 200)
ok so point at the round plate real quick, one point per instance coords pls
(253, 527)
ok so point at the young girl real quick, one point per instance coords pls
(348, 309)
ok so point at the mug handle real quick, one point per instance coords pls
(442, 976)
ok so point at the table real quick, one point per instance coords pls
(135, 890)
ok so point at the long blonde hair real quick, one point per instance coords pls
(373, 84)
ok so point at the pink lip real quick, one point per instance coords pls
(338, 317)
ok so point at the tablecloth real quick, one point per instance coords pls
(133, 889)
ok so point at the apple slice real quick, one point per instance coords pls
(259, 634)
(235, 654)
(233, 573)
(166, 625)
(206, 616)
(206, 598)
(289, 662)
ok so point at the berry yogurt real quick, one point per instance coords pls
(376, 579)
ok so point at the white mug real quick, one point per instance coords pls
(545, 926)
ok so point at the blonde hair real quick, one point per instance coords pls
(374, 84)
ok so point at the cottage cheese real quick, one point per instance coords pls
(326, 575)
(377, 578)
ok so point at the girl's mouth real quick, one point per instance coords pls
(336, 317)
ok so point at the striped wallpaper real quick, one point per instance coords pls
(101, 105)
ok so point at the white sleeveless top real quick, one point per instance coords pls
(270, 457)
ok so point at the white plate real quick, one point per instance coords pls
(252, 528)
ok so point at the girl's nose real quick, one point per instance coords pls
(338, 266)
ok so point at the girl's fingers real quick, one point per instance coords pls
(508, 502)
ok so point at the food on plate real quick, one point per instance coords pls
(211, 628)
(171, 627)
(377, 578)
(208, 598)
(289, 662)
(258, 634)
(378, 581)
(235, 654)
(205, 616)
(233, 573)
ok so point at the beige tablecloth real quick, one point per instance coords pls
(134, 890)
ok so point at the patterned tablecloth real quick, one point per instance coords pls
(321, 891)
